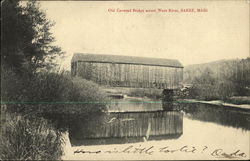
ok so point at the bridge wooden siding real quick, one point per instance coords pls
(124, 71)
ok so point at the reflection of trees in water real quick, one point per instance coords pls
(217, 114)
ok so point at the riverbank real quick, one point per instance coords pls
(238, 100)
(152, 96)
(218, 102)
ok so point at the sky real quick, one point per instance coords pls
(191, 37)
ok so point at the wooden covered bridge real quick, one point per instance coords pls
(127, 71)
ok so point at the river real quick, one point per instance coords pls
(141, 129)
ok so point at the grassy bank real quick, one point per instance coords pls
(39, 107)
(50, 93)
(29, 139)
(238, 100)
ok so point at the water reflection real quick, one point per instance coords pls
(130, 104)
(146, 120)
(221, 115)
(226, 116)
(127, 127)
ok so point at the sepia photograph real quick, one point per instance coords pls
(125, 80)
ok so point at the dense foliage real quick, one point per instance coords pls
(26, 37)
(221, 81)
(51, 93)
(207, 87)
(38, 103)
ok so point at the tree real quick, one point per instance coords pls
(26, 37)
(240, 77)
(206, 77)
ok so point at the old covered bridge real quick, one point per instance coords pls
(126, 71)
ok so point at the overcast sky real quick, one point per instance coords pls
(88, 27)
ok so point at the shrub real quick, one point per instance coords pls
(88, 92)
(54, 96)
(29, 139)
(219, 90)
(220, 80)
(207, 87)
(51, 92)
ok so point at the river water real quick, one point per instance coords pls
(141, 129)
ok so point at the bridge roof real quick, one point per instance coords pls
(125, 60)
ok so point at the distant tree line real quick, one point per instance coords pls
(219, 80)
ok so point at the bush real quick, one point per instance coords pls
(220, 80)
(54, 96)
(29, 139)
(51, 92)
(219, 90)
(207, 87)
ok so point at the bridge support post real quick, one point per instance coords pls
(167, 99)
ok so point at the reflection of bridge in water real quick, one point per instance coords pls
(127, 127)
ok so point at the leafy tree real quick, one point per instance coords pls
(241, 77)
(206, 77)
(26, 37)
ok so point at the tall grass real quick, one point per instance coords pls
(29, 139)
